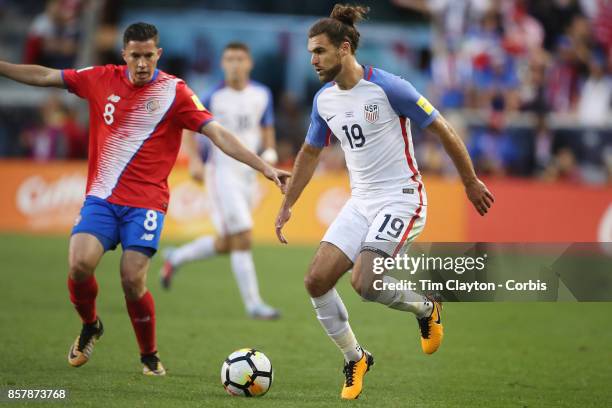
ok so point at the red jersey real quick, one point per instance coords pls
(134, 132)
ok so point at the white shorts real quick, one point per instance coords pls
(231, 200)
(386, 225)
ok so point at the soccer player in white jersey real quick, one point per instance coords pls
(370, 112)
(245, 107)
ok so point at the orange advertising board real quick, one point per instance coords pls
(316, 209)
(40, 197)
(46, 198)
(530, 211)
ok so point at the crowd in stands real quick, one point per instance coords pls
(541, 57)
(493, 60)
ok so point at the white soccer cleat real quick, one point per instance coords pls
(263, 311)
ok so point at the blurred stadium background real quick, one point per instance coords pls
(526, 83)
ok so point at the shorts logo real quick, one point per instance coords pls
(147, 237)
(77, 220)
(152, 105)
(370, 112)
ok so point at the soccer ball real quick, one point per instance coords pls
(247, 373)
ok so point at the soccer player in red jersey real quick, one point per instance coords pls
(137, 114)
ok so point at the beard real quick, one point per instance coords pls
(328, 75)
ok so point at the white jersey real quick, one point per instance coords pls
(230, 183)
(372, 122)
(243, 112)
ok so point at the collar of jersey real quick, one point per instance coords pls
(155, 74)
(366, 69)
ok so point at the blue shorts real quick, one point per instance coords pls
(136, 229)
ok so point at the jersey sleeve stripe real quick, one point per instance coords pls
(417, 214)
(369, 75)
(409, 159)
(328, 137)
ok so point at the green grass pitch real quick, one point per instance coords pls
(494, 355)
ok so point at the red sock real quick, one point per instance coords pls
(83, 297)
(142, 314)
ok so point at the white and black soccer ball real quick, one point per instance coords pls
(247, 373)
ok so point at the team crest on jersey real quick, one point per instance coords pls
(152, 105)
(370, 112)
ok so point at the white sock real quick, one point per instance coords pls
(333, 316)
(404, 300)
(201, 248)
(244, 272)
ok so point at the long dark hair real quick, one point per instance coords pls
(340, 25)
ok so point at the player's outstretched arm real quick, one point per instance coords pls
(305, 165)
(35, 75)
(233, 147)
(477, 192)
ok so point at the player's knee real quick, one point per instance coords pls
(221, 245)
(312, 286)
(316, 285)
(363, 287)
(240, 241)
(80, 267)
(362, 278)
(133, 286)
(356, 283)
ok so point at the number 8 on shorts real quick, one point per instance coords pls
(150, 222)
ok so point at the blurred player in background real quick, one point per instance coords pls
(245, 107)
(137, 114)
(369, 111)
